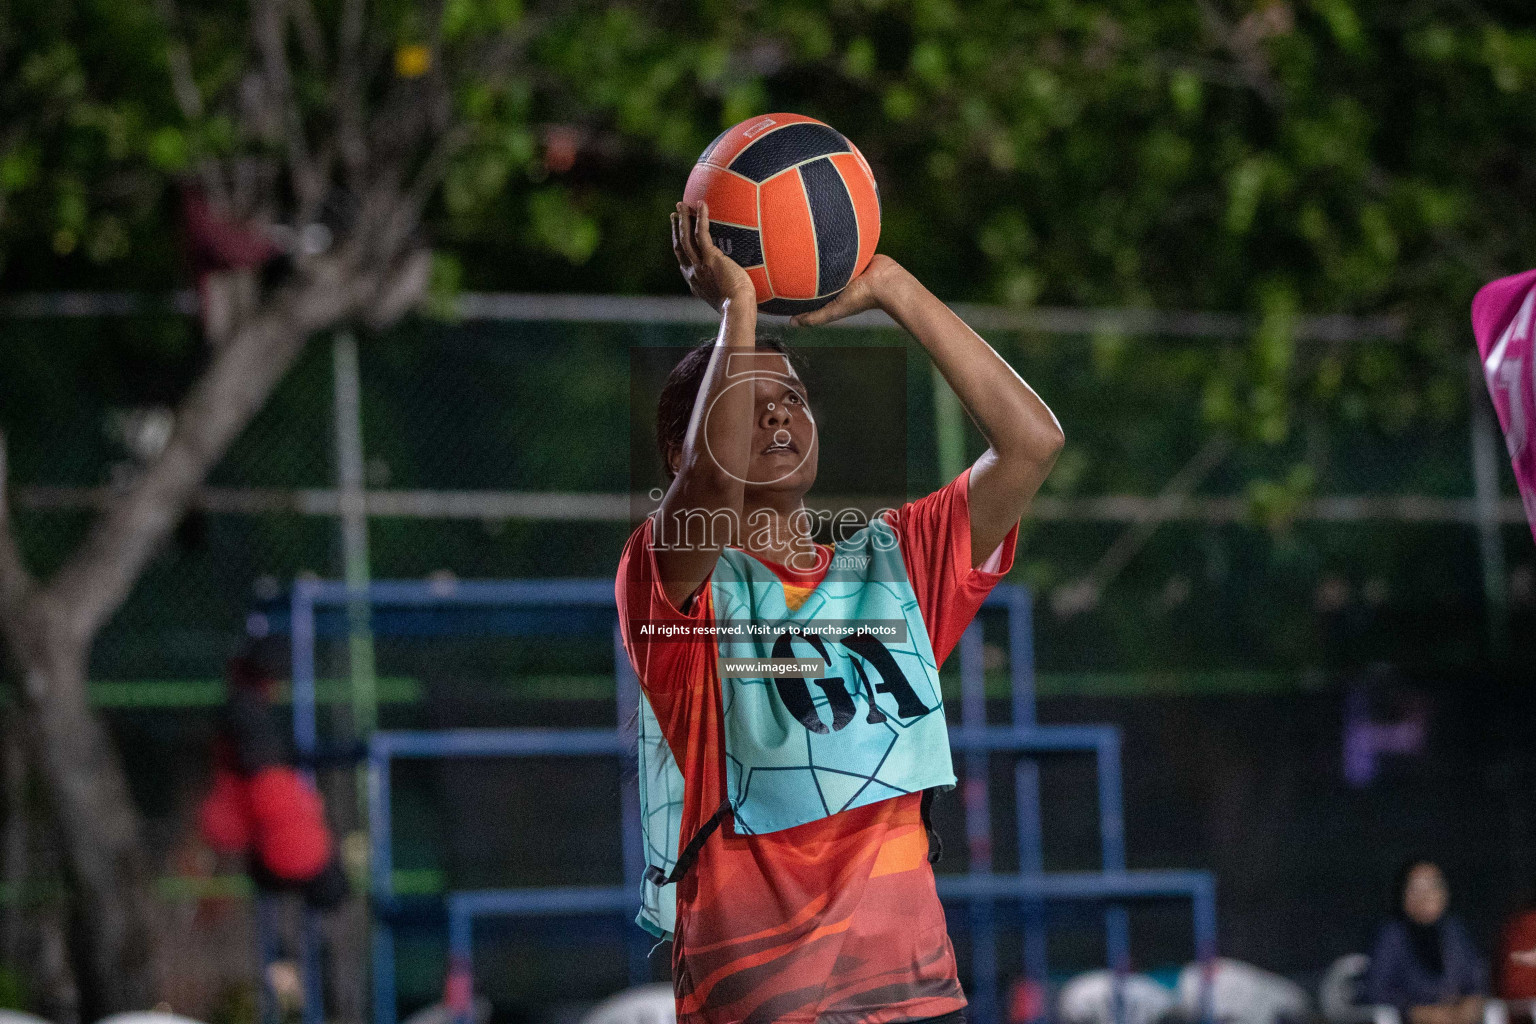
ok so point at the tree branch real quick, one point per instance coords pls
(15, 581)
(350, 137)
(426, 112)
(408, 212)
(269, 24)
(189, 98)
(1084, 593)
(98, 577)
(1245, 43)
(183, 85)
(1378, 182)
(311, 39)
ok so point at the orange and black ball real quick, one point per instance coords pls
(793, 202)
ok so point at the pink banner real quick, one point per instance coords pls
(1504, 321)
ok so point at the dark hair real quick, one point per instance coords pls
(675, 406)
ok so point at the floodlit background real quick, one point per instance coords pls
(278, 293)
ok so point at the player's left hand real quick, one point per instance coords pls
(870, 290)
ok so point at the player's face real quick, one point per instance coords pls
(784, 438)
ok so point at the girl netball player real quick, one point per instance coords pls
(790, 829)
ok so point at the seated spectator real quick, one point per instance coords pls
(260, 806)
(1424, 962)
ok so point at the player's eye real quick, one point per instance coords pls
(793, 398)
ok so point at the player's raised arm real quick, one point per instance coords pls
(709, 469)
(1022, 432)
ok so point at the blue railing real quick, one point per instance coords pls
(567, 606)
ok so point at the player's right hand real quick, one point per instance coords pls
(711, 274)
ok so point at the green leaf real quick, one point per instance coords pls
(561, 227)
(1187, 92)
(929, 64)
(168, 149)
(1245, 187)
(20, 167)
(859, 58)
(444, 285)
(1342, 22)
(900, 103)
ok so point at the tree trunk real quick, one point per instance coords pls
(35, 932)
(49, 629)
(115, 935)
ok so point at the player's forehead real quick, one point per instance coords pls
(768, 369)
(1425, 876)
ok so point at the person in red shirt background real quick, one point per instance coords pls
(1515, 969)
(262, 808)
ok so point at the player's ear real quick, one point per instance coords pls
(674, 460)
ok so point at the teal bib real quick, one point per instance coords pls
(797, 750)
(661, 821)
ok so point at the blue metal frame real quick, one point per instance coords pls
(980, 889)
(306, 598)
(385, 747)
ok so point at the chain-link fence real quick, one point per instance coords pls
(1168, 564)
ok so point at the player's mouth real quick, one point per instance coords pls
(782, 446)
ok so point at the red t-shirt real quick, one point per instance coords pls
(836, 920)
(1517, 957)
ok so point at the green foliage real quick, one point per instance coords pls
(1271, 157)
(1276, 157)
(13, 989)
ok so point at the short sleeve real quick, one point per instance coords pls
(935, 538)
(661, 663)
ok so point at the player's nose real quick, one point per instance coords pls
(774, 414)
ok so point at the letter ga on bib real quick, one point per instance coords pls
(797, 750)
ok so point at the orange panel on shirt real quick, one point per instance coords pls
(902, 853)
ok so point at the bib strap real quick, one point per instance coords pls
(935, 844)
(690, 853)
